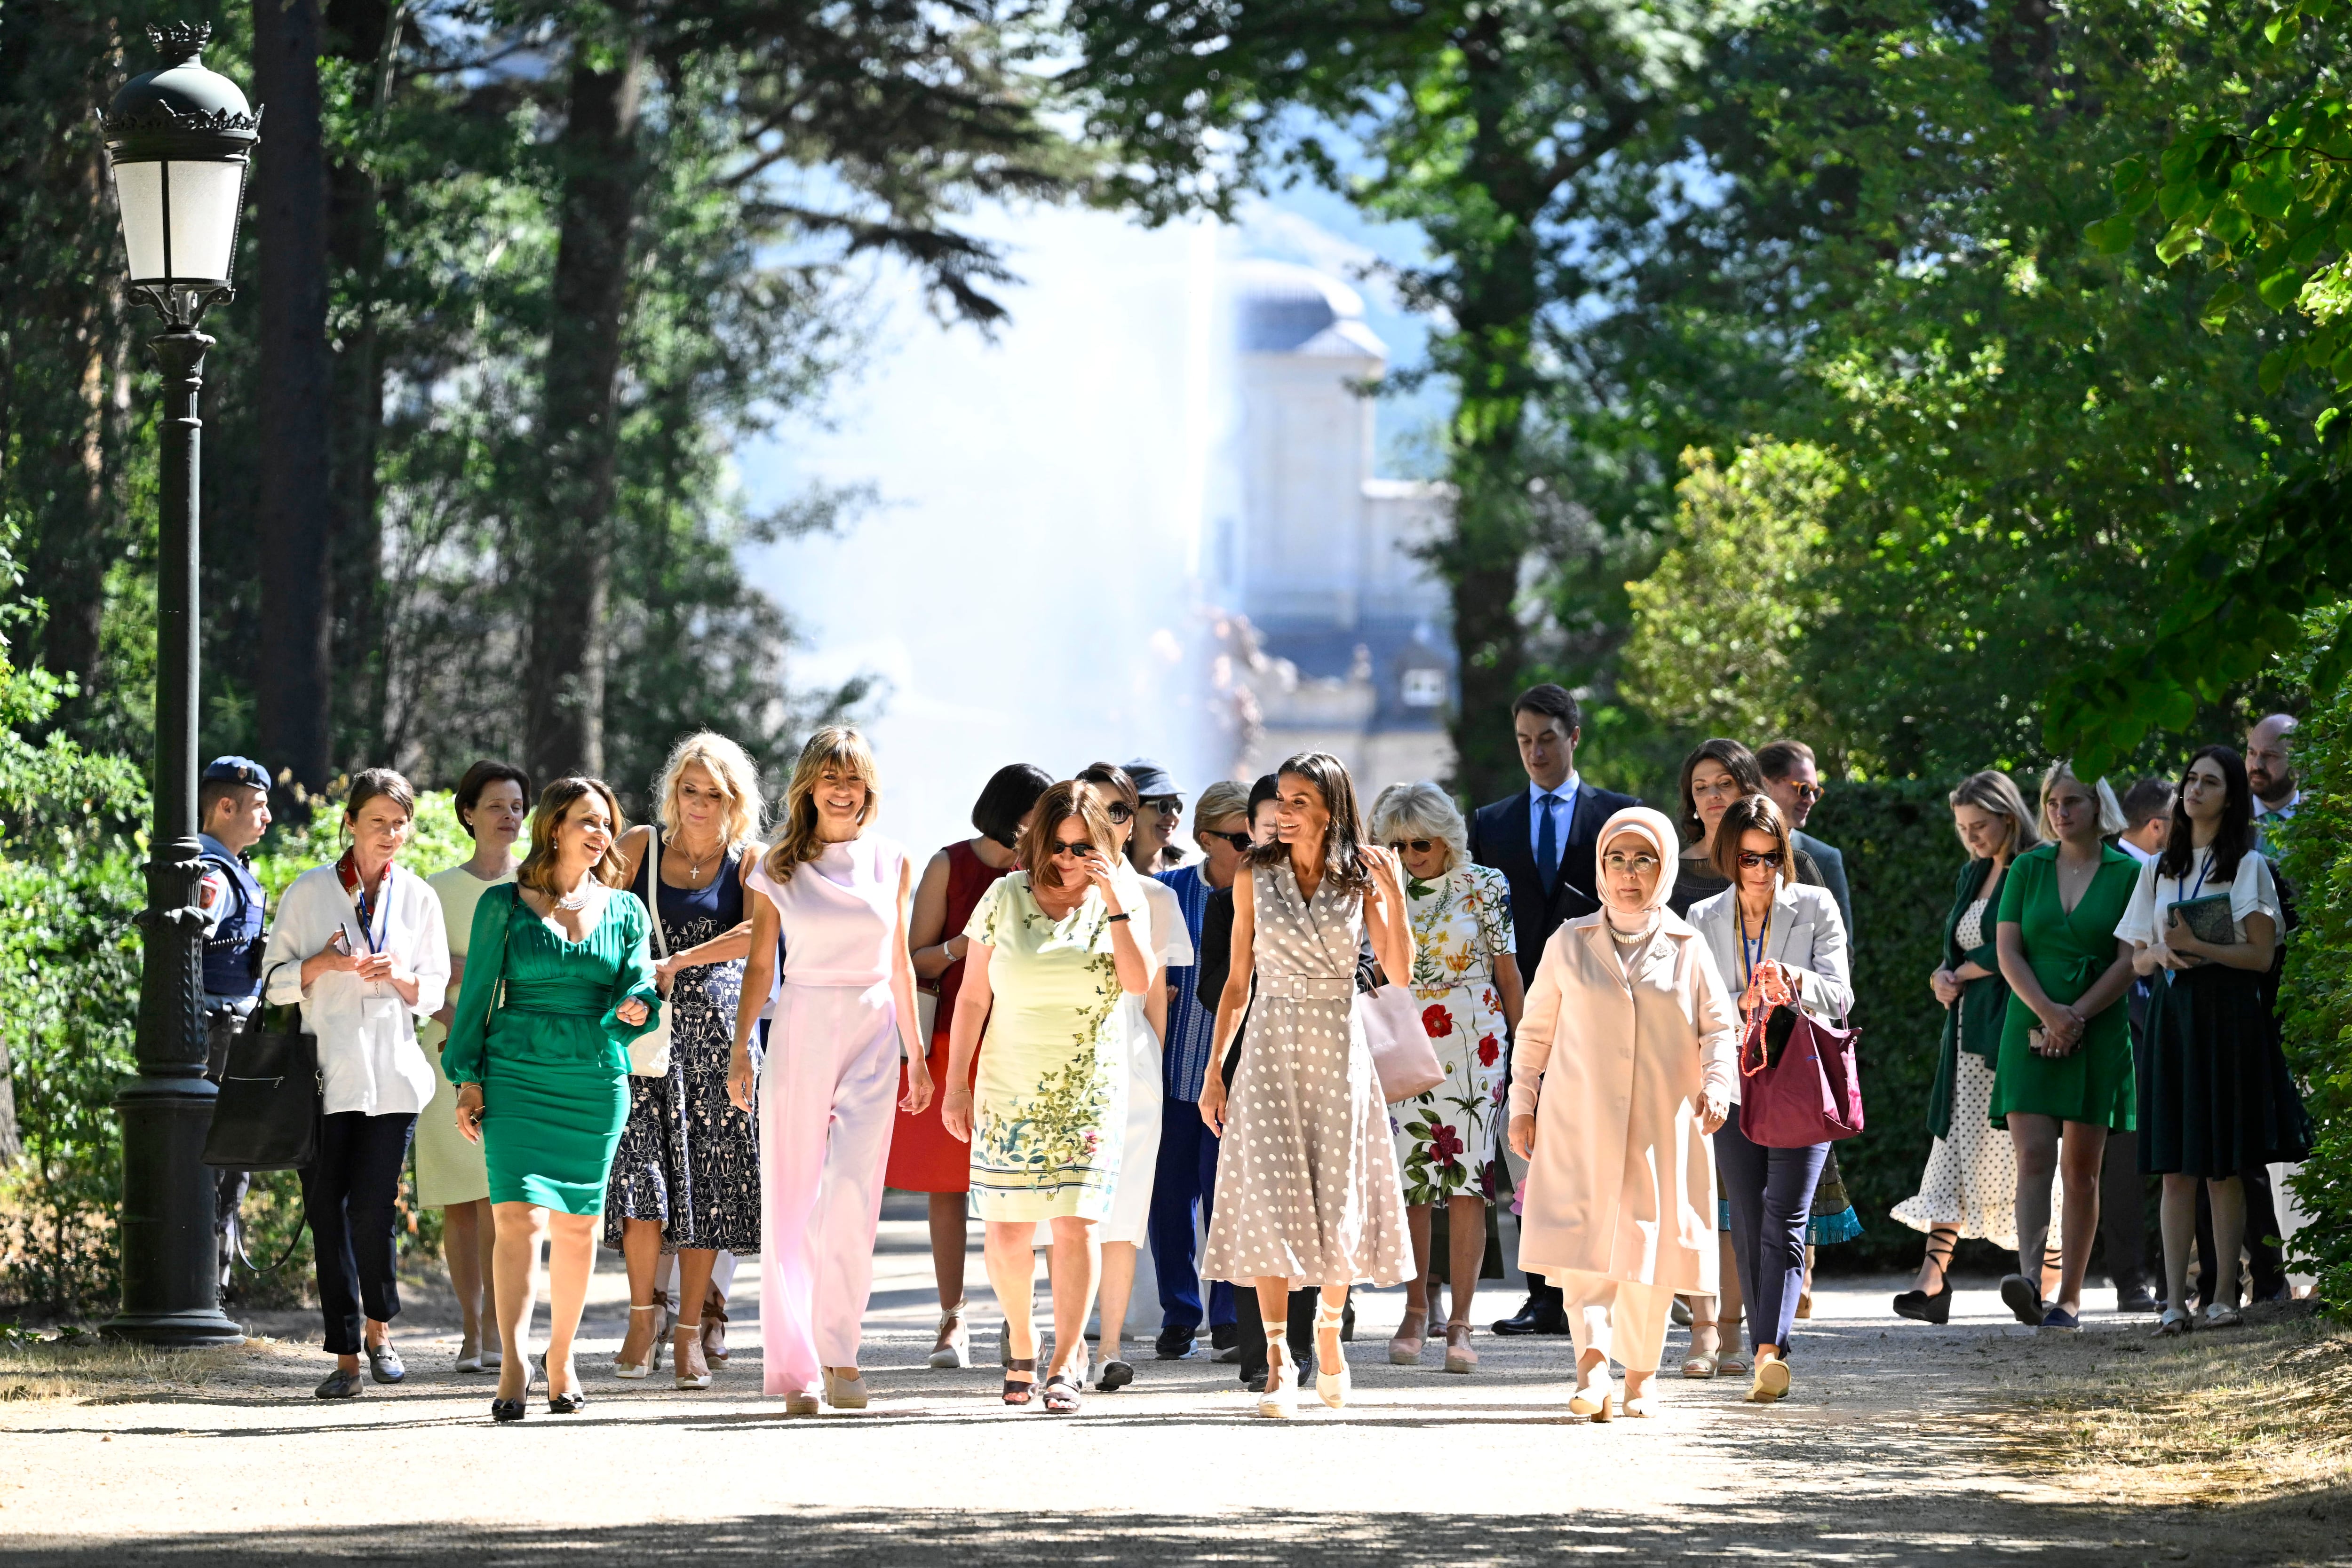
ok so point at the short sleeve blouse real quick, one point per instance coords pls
(2252, 890)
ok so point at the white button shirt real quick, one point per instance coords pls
(368, 1052)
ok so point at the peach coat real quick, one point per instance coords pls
(1621, 1184)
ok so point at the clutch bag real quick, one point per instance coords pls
(2208, 919)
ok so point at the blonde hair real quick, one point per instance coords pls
(1424, 810)
(835, 746)
(730, 766)
(538, 869)
(1224, 799)
(2111, 815)
(1995, 791)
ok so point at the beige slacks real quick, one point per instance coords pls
(1622, 1319)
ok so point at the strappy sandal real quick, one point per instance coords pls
(714, 1327)
(642, 1369)
(1063, 1396)
(1020, 1393)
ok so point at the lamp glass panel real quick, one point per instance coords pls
(205, 198)
(138, 192)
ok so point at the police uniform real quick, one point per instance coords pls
(236, 919)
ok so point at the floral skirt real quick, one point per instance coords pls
(1446, 1139)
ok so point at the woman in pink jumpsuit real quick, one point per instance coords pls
(837, 895)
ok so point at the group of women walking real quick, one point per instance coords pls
(704, 1041)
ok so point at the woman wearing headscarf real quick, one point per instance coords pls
(1622, 1067)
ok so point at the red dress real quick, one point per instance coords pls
(924, 1156)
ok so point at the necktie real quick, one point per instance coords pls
(1548, 843)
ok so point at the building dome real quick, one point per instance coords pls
(1282, 308)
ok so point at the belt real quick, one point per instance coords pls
(1308, 988)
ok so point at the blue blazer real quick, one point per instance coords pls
(1501, 837)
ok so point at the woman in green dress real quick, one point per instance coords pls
(2065, 1060)
(558, 982)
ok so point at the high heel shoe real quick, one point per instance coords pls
(1597, 1398)
(714, 1329)
(1020, 1393)
(1331, 1387)
(955, 1348)
(642, 1368)
(570, 1404)
(1279, 1400)
(1459, 1356)
(1925, 1306)
(687, 1337)
(845, 1393)
(1404, 1349)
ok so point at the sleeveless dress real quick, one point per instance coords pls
(536, 1028)
(1307, 1187)
(688, 1158)
(449, 1167)
(826, 1089)
(924, 1156)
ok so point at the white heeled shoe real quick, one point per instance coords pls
(652, 1354)
(957, 1352)
(1598, 1398)
(1331, 1387)
(686, 1336)
(1279, 1400)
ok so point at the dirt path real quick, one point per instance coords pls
(1893, 1451)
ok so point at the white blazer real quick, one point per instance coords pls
(1807, 939)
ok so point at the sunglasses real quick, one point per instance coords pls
(1641, 865)
(1118, 811)
(1751, 858)
(1166, 805)
(1241, 841)
(1076, 849)
(1807, 793)
(1418, 846)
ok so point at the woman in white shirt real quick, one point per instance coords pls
(359, 944)
(2215, 1095)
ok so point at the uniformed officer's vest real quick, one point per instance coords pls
(233, 952)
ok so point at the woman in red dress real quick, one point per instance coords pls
(924, 1157)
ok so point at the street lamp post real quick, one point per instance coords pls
(178, 138)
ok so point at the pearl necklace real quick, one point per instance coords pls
(578, 897)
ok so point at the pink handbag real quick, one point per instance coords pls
(1407, 1063)
(1810, 1095)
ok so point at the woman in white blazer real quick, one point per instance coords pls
(1778, 943)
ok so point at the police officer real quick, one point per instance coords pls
(233, 805)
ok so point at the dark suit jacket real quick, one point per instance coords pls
(1500, 837)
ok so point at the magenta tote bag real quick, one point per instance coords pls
(1810, 1093)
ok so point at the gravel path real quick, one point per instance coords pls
(1891, 1451)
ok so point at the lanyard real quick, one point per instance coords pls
(348, 870)
(1749, 958)
(2202, 872)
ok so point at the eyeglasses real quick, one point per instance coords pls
(1076, 849)
(1751, 858)
(1241, 841)
(1807, 793)
(1418, 846)
(1166, 805)
(1618, 866)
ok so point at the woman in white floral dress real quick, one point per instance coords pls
(1467, 983)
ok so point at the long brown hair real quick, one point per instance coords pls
(1344, 865)
(538, 869)
(1058, 805)
(797, 841)
(1736, 760)
(1753, 814)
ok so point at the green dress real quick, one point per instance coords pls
(2068, 952)
(536, 1028)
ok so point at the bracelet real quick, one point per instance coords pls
(1117, 918)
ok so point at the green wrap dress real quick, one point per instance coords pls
(537, 1026)
(2068, 950)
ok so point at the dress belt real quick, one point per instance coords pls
(1306, 987)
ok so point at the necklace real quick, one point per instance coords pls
(578, 897)
(694, 862)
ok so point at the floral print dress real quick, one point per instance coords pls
(1049, 1110)
(1446, 1139)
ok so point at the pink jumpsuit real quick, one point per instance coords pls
(826, 1105)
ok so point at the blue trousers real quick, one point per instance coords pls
(1771, 1196)
(1185, 1180)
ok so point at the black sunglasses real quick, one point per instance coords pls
(1418, 846)
(1076, 848)
(1118, 811)
(1751, 858)
(1241, 841)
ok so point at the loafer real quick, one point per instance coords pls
(1537, 1317)
(384, 1363)
(1115, 1374)
(1175, 1344)
(2022, 1297)
(2060, 1319)
(339, 1385)
(1225, 1343)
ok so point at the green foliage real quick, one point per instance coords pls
(1718, 623)
(2315, 857)
(1900, 859)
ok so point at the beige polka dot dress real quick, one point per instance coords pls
(1308, 1188)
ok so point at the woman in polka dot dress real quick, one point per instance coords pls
(1307, 1187)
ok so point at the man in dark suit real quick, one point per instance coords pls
(1542, 839)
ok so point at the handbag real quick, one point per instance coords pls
(649, 1052)
(271, 1110)
(1407, 1063)
(1802, 1087)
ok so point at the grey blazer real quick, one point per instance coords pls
(1831, 865)
(1807, 938)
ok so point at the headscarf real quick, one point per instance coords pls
(1654, 826)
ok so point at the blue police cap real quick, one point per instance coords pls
(236, 770)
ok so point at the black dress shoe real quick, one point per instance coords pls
(1175, 1344)
(1225, 1342)
(504, 1410)
(1114, 1375)
(1923, 1306)
(339, 1385)
(1538, 1316)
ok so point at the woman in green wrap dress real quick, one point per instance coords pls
(558, 981)
(2065, 1062)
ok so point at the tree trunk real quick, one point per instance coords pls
(569, 553)
(293, 380)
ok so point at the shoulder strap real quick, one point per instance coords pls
(652, 869)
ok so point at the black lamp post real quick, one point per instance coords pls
(179, 138)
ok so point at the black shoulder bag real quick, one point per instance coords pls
(271, 1108)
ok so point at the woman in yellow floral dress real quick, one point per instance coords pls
(1467, 983)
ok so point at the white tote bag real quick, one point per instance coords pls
(649, 1052)
(1407, 1063)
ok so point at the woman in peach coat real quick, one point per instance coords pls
(1616, 1083)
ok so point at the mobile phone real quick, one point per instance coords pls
(341, 942)
(2037, 1040)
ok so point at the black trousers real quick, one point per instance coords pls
(2261, 1221)
(2123, 1212)
(350, 1192)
